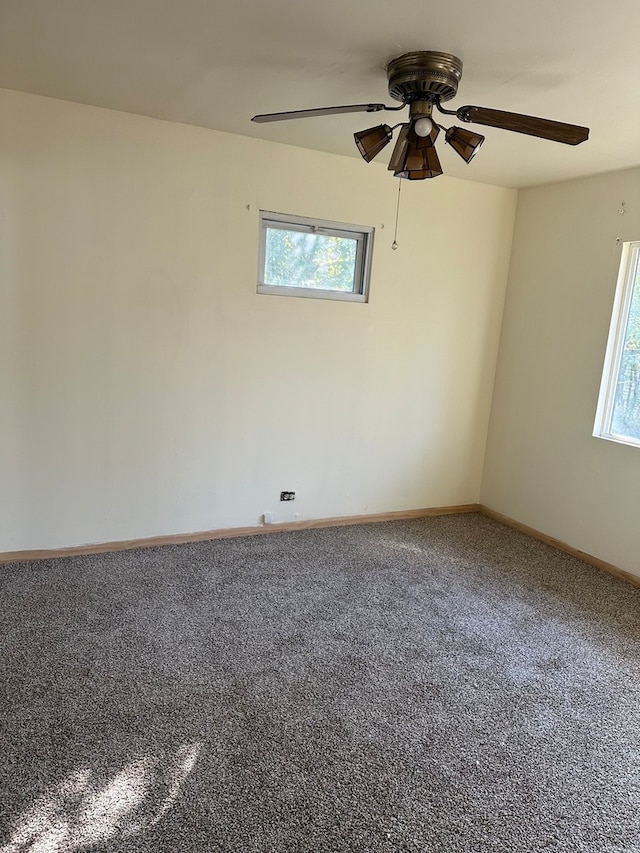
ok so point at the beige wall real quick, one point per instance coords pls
(543, 467)
(147, 389)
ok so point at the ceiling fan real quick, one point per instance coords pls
(423, 80)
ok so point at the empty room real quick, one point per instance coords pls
(319, 427)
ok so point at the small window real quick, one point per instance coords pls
(310, 257)
(618, 414)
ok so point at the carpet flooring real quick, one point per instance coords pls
(441, 684)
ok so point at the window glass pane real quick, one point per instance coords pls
(625, 420)
(307, 259)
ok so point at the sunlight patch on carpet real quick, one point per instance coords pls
(79, 812)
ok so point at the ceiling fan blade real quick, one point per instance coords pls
(556, 131)
(321, 111)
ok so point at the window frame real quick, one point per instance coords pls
(362, 234)
(627, 274)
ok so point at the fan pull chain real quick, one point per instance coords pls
(394, 245)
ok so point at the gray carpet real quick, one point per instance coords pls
(444, 684)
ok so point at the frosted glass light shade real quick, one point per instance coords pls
(370, 142)
(464, 142)
(415, 158)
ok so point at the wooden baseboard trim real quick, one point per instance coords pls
(561, 546)
(230, 532)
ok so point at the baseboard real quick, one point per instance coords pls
(561, 546)
(339, 521)
(230, 532)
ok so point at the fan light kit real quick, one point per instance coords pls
(423, 80)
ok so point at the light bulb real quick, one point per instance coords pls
(423, 126)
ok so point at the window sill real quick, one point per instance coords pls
(619, 439)
(311, 293)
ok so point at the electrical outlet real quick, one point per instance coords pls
(287, 496)
(267, 518)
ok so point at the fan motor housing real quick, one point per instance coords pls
(424, 75)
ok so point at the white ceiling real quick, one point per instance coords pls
(216, 63)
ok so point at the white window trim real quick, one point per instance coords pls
(363, 234)
(615, 343)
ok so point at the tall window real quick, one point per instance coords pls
(311, 257)
(618, 414)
